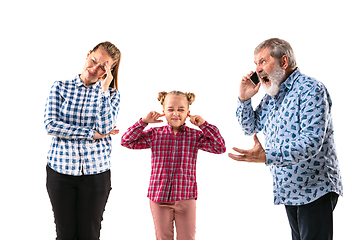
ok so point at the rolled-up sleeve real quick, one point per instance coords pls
(108, 111)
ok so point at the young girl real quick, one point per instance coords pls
(173, 189)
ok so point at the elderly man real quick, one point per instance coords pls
(295, 117)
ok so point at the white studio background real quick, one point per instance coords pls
(204, 47)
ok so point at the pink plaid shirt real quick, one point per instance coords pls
(173, 174)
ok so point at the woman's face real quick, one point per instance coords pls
(95, 66)
(176, 110)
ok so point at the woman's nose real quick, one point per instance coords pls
(96, 67)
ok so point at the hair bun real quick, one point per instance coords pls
(161, 97)
(190, 97)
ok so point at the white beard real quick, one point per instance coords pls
(276, 78)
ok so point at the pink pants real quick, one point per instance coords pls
(182, 212)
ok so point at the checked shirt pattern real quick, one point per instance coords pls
(299, 142)
(72, 114)
(173, 173)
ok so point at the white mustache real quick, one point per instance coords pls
(263, 74)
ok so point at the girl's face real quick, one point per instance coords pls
(95, 66)
(176, 110)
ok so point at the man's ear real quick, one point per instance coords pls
(284, 62)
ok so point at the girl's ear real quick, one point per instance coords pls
(188, 113)
(163, 111)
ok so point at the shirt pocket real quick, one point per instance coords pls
(69, 112)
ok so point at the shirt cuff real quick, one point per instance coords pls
(243, 104)
(205, 124)
(142, 123)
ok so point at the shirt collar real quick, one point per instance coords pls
(288, 83)
(182, 128)
(79, 83)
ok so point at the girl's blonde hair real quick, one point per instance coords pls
(189, 96)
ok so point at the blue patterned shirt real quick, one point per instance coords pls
(72, 114)
(299, 144)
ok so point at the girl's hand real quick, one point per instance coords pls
(152, 117)
(107, 81)
(97, 135)
(196, 120)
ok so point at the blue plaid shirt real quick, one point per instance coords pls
(72, 114)
(299, 144)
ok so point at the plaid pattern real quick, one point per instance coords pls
(173, 174)
(72, 114)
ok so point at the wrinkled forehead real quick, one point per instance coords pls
(101, 56)
(176, 101)
(262, 54)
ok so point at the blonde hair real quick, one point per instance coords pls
(189, 96)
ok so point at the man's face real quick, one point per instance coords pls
(269, 71)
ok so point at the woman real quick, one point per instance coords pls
(81, 114)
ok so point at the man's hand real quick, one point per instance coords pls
(256, 154)
(247, 88)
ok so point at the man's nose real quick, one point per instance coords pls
(259, 69)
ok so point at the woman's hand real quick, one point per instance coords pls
(196, 120)
(97, 135)
(107, 81)
(152, 117)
